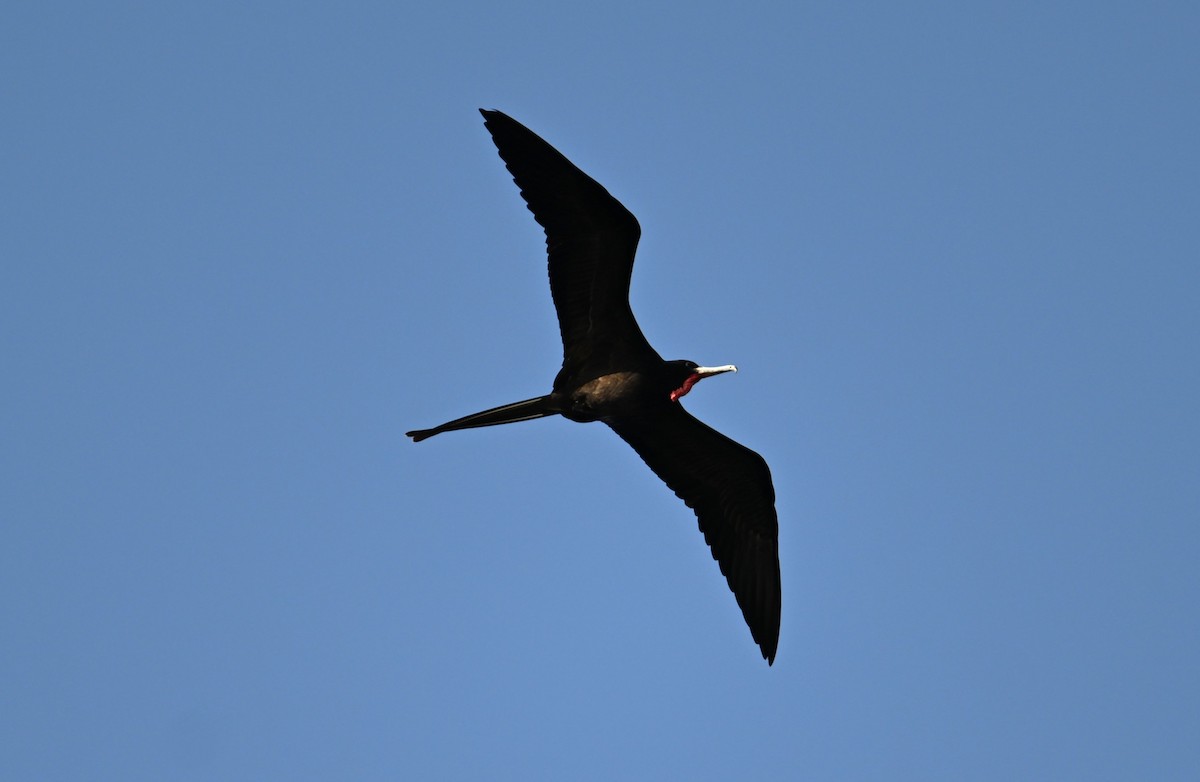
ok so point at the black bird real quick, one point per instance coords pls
(611, 374)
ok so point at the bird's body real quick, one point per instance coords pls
(610, 373)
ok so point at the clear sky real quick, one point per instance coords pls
(954, 249)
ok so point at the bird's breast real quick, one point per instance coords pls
(614, 394)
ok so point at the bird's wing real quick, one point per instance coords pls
(729, 487)
(590, 239)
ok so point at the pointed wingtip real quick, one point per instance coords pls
(768, 650)
(492, 118)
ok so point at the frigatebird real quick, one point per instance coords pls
(610, 373)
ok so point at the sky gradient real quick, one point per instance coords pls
(953, 250)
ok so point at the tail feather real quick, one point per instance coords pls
(538, 407)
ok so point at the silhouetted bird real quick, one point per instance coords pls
(611, 374)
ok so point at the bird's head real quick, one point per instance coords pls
(685, 374)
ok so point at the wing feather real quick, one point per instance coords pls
(729, 487)
(591, 240)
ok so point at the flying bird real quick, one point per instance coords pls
(610, 373)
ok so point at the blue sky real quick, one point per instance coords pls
(951, 247)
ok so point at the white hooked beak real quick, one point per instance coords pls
(698, 374)
(706, 371)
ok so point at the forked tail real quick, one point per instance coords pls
(538, 407)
